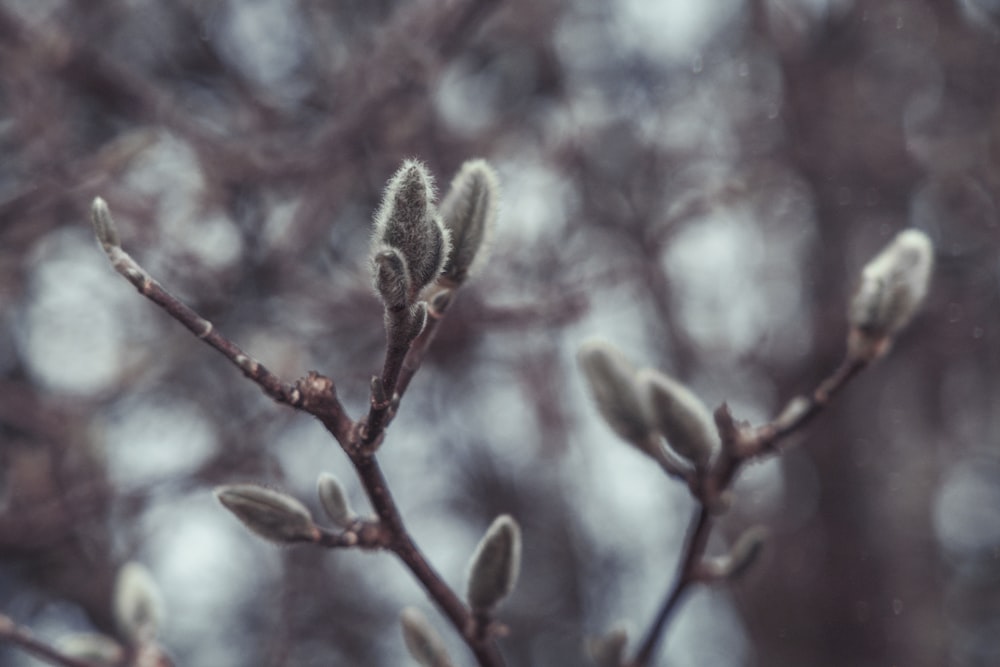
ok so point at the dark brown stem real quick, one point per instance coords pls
(402, 544)
(202, 328)
(418, 350)
(22, 638)
(697, 539)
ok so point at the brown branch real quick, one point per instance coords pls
(316, 395)
(740, 444)
(402, 544)
(22, 638)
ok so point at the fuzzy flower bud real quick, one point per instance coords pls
(422, 640)
(138, 605)
(612, 381)
(495, 565)
(893, 286)
(469, 212)
(608, 650)
(272, 515)
(407, 223)
(679, 416)
(104, 224)
(334, 500)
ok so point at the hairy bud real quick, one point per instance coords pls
(612, 381)
(334, 500)
(272, 515)
(741, 557)
(96, 649)
(469, 212)
(422, 640)
(408, 223)
(679, 416)
(104, 224)
(495, 565)
(893, 286)
(138, 605)
(608, 650)
(392, 279)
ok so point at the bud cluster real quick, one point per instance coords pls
(645, 406)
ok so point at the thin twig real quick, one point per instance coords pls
(405, 548)
(740, 445)
(22, 638)
(697, 538)
(316, 395)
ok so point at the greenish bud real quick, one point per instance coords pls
(679, 416)
(392, 279)
(422, 640)
(138, 605)
(408, 223)
(608, 650)
(334, 500)
(469, 213)
(612, 382)
(495, 565)
(892, 288)
(272, 515)
(99, 650)
(104, 224)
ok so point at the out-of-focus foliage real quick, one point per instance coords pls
(698, 182)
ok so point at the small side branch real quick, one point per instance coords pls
(740, 444)
(22, 638)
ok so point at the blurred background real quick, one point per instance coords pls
(697, 182)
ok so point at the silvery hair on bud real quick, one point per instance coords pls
(469, 212)
(334, 500)
(612, 381)
(495, 565)
(408, 222)
(138, 605)
(680, 416)
(422, 641)
(272, 515)
(893, 285)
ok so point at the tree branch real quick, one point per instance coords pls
(22, 638)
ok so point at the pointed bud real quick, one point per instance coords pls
(679, 416)
(609, 650)
(408, 223)
(495, 565)
(334, 500)
(392, 280)
(104, 224)
(272, 515)
(893, 286)
(612, 381)
(422, 640)
(741, 557)
(469, 211)
(138, 605)
(96, 649)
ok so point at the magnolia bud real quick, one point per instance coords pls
(422, 640)
(892, 287)
(407, 222)
(495, 565)
(612, 381)
(272, 515)
(392, 279)
(679, 416)
(334, 500)
(608, 650)
(104, 224)
(138, 605)
(743, 554)
(93, 648)
(468, 211)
